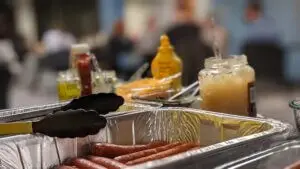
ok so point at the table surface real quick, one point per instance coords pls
(272, 99)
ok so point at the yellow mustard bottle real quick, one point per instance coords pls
(166, 63)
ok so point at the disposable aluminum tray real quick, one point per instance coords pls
(223, 138)
(277, 157)
(36, 112)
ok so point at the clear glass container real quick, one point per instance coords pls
(68, 85)
(241, 69)
(239, 64)
(213, 80)
(227, 86)
(101, 83)
(92, 78)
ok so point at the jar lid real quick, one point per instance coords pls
(78, 49)
(237, 59)
(214, 62)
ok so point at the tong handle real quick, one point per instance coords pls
(16, 128)
(191, 86)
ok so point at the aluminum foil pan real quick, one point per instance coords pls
(277, 157)
(223, 138)
(36, 112)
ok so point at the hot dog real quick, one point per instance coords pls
(296, 165)
(106, 162)
(173, 151)
(66, 167)
(86, 164)
(112, 150)
(144, 153)
(155, 144)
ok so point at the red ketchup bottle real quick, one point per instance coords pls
(83, 64)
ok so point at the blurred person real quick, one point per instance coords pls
(185, 36)
(147, 45)
(185, 10)
(120, 47)
(9, 62)
(260, 27)
(262, 43)
(97, 42)
(57, 38)
(52, 51)
(57, 42)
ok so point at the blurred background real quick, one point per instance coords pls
(36, 35)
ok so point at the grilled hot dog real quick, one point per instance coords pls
(66, 167)
(113, 150)
(173, 151)
(86, 164)
(106, 162)
(144, 153)
(296, 165)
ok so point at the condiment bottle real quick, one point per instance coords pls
(240, 67)
(68, 82)
(83, 65)
(67, 86)
(214, 85)
(166, 63)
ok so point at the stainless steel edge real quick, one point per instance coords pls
(28, 112)
(23, 113)
(262, 154)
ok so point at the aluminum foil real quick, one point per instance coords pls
(223, 138)
(36, 112)
(277, 157)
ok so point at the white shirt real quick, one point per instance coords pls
(9, 56)
(7, 52)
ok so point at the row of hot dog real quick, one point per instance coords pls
(111, 156)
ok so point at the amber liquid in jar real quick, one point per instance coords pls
(226, 86)
(240, 68)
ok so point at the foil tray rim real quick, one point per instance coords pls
(277, 128)
(35, 111)
(262, 153)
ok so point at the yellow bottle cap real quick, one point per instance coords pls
(165, 42)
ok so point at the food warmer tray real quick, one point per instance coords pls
(222, 137)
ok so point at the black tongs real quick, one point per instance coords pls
(79, 118)
(102, 103)
(64, 124)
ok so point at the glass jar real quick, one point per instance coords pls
(227, 86)
(213, 80)
(241, 69)
(67, 86)
(99, 83)
(84, 76)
